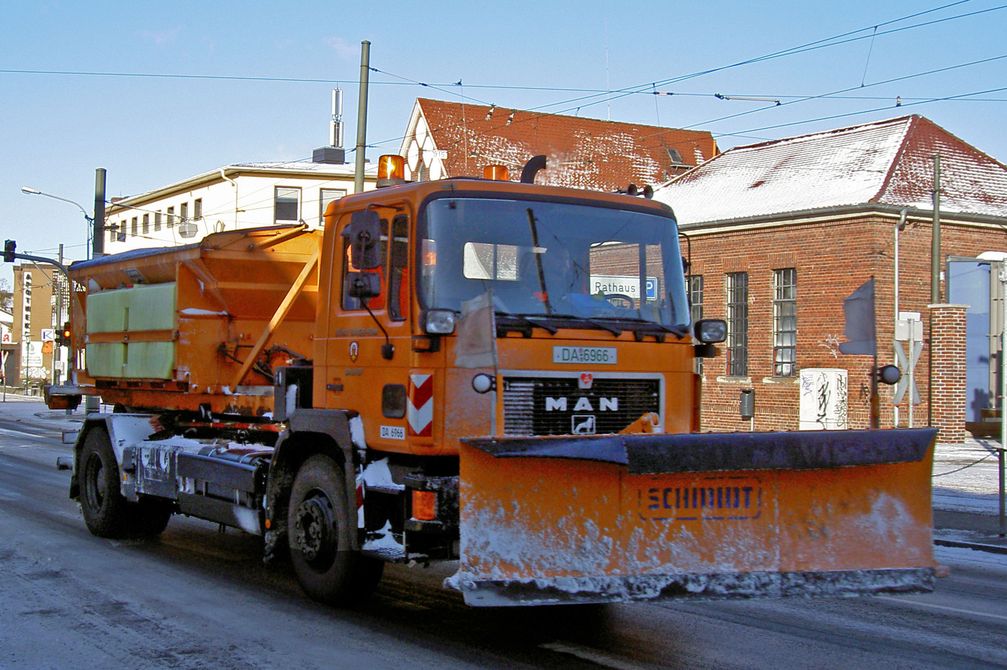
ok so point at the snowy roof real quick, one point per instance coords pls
(888, 163)
(581, 152)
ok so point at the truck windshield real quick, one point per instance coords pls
(556, 260)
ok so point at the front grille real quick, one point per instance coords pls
(556, 406)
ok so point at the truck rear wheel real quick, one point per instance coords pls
(319, 527)
(106, 512)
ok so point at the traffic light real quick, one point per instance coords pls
(9, 249)
(63, 336)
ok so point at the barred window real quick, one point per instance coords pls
(695, 283)
(737, 324)
(785, 322)
(696, 297)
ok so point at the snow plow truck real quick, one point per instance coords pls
(487, 371)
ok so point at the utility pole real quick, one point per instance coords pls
(98, 226)
(365, 59)
(935, 238)
(935, 281)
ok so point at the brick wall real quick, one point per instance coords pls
(832, 258)
(947, 328)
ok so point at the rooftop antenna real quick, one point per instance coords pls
(334, 152)
(336, 128)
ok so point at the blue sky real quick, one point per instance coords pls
(156, 128)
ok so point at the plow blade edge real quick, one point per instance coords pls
(732, 515)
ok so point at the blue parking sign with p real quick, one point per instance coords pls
(651, 288)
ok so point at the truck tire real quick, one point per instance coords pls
(319, 527)
(106, 512)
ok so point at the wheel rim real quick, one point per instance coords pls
(315, 530)
(95, 486)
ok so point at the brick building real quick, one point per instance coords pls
(781, 232)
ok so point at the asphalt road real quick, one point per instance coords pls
(197, 598)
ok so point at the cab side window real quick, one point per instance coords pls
(398, 288)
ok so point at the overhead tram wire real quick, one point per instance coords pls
(835, 40)
(874, 109)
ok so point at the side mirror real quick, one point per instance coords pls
(363, 285)
(364, 235)
(709, 331)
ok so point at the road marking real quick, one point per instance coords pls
(20, 432)
(588, 654)
(944, 608)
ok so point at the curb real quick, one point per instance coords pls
(977, 546)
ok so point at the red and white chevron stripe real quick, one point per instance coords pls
(420, 405)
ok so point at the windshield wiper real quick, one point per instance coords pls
(678, 329)
(597, 324)
(525, 320)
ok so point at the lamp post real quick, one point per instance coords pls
(28, 190)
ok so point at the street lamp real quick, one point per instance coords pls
(28, 190)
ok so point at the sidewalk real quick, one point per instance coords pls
(965, 482)
(966, 493)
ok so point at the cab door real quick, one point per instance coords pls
(367, 342)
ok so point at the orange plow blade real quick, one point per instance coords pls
(743, 515)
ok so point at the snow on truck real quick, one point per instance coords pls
(486, 371)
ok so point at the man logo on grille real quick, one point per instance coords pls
(582, 424)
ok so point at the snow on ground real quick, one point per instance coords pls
(966, 477)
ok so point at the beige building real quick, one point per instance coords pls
(39, 309)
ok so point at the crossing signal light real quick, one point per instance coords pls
(889, 374)
(9, 249)
(63, 336)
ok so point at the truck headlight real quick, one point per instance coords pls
(439, 322)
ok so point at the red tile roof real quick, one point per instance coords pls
(885, 163)
(581, 152)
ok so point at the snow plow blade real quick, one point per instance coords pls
(619, 518)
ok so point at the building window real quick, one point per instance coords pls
(696, 307)
(785, 322)
(157, 220)
(146, 224)
(113, 232)
(287, 205)
(171, 217)
(197, 209)
(133, 228)
(183, 212)
(737, 324)
(327, 195)
(123, 230)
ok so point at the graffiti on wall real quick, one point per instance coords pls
(824, 396)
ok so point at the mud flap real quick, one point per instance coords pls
(645, 517)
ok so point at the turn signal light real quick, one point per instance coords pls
(424, 505)
(391, 168)
(496, 172)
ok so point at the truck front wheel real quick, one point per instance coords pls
(319, 527)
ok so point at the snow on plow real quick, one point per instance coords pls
(643, 517)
